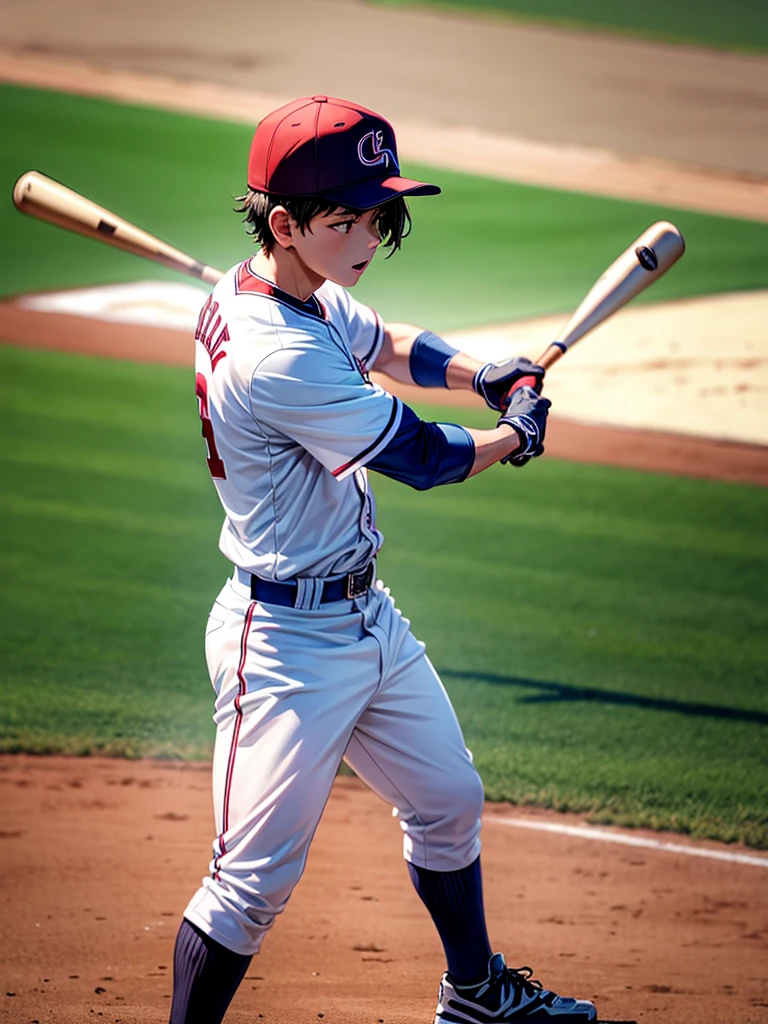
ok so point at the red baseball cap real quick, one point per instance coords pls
(320, 146)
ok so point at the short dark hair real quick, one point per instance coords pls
(393, 218)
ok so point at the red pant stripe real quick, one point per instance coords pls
(235, 735)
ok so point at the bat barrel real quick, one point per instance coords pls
(42, 197)
(639, 266)
(643, 262)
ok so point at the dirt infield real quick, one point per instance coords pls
(628, 96)
(460, 147)
(100, 857)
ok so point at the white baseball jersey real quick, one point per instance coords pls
(290, 420)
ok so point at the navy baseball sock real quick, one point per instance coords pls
(205, 977)
(455, 901)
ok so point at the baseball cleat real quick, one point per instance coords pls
(507, 995)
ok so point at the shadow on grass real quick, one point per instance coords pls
(548, 692)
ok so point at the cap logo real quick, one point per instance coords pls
(378, 154)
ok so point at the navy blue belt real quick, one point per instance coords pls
(354, 584)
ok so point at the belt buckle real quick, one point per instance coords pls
(358, 583)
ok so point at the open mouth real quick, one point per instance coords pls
(360, 266)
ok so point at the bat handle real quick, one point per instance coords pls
(524, 382)
(547, 359)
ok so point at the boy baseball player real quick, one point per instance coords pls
(309, 658)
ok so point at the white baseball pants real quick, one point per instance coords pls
(297, 691)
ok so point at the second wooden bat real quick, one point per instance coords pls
(40, 196)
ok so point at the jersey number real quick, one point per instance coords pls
(215, 464)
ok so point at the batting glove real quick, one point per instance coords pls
(494, 380)
(527, 415)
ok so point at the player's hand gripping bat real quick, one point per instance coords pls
(40, 196)
(641, 263)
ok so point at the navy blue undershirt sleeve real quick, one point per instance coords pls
(424, 455)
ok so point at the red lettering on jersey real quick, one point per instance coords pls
(210, 332)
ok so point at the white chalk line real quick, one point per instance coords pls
(586, 832)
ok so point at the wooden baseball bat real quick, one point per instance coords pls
(641, 263)
(40, 196)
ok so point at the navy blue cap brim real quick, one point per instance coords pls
(365, 195)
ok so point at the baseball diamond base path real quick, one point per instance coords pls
(547, 84)
(100, 856)
(566, 438)
(458, 147)
(695, 366)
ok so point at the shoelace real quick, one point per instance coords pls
(521, 977)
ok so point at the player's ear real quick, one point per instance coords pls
(282, 226)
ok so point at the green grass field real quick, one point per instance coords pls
(602, 632)
(741, 25)
(483, 252)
